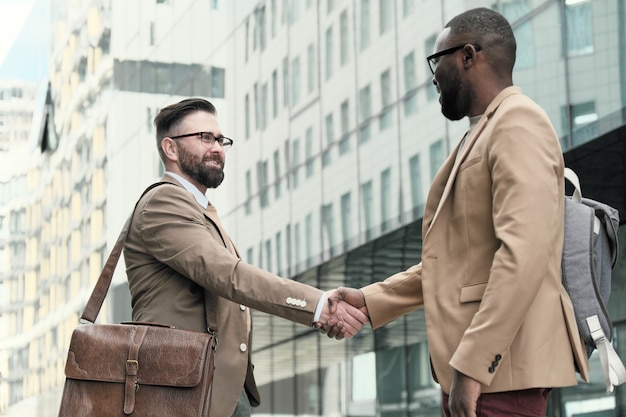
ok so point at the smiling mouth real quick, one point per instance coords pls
(214, 163)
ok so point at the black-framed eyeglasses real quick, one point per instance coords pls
(433, 59)
(208, 139)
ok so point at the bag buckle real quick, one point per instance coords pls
(214, 334)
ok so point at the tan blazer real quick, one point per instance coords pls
(490, 278)
(174, 250)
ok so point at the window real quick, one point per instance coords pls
(365, 99)
(368, 209)
(582, 120)
(344, 48)
(273, 12)
(152, 33)
(295, 81)
(436, 157)
(330, 138)
(431, 91)
(261, 172)
(294, 11)
(247, 115)
(248, 205)
(296, 163)
(217, 82)
(257, 106)
(279, 254)
(285, 82)
(415, 174)
(385, 15)
(277, 178)
(274, 93)
(297, 247)
(385, 92)
(365, 24)
(288, 163)
(308, 222)
(346, 218)
(329, 52)
(385, 199)
(344, 143)
(310, 68)
(410, 84)
(268, 255)
(288, 248)
(408, 6)
(260, 26)
(308, 150)
(579, 27)
(514, 10)
(328, 224)
(330, 5)
(264, 106)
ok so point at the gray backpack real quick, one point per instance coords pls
(590, 251)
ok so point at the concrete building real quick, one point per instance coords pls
(338, 134)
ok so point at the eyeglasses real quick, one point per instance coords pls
(208, 139)
(433, 59)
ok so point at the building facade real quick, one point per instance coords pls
(338, 134)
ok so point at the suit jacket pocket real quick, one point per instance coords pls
(471, 161)
(472, 292)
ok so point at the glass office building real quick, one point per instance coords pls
(338, 134)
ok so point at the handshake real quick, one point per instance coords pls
(344, 313)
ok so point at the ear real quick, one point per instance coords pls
(469, 56)
(170, 148)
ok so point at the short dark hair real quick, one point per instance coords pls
(491, 31)
(168, 119)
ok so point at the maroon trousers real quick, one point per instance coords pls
(524, 403)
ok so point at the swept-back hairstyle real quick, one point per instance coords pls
(491, 31)
(168, 119)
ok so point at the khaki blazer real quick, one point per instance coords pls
(175, 249)
(490, 275)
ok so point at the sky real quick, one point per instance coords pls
(24, 27)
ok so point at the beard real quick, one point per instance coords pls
(454, 98)
(211, 176)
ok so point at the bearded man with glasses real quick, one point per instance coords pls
(177, 250)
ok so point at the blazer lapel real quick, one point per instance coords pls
(456, 161)
(211, 213)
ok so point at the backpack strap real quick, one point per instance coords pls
(612, 366)
(573, 179)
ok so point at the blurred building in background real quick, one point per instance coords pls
(338, 134)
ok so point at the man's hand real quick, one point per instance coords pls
(464, 394)
(345, 306)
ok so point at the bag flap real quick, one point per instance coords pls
(167, 356)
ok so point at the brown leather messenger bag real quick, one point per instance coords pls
(137, 369)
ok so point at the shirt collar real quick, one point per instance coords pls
(200, 198)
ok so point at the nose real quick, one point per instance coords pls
(436, 84)
(216, 148)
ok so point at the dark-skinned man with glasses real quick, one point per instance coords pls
(177, 251)
(501, 328)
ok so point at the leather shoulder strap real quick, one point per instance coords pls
(94, 304)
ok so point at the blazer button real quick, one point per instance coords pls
(243, 347)
(492, 369)
(242, 307)
(498, 357)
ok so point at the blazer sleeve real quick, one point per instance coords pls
(176, 233)
(396, 296)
